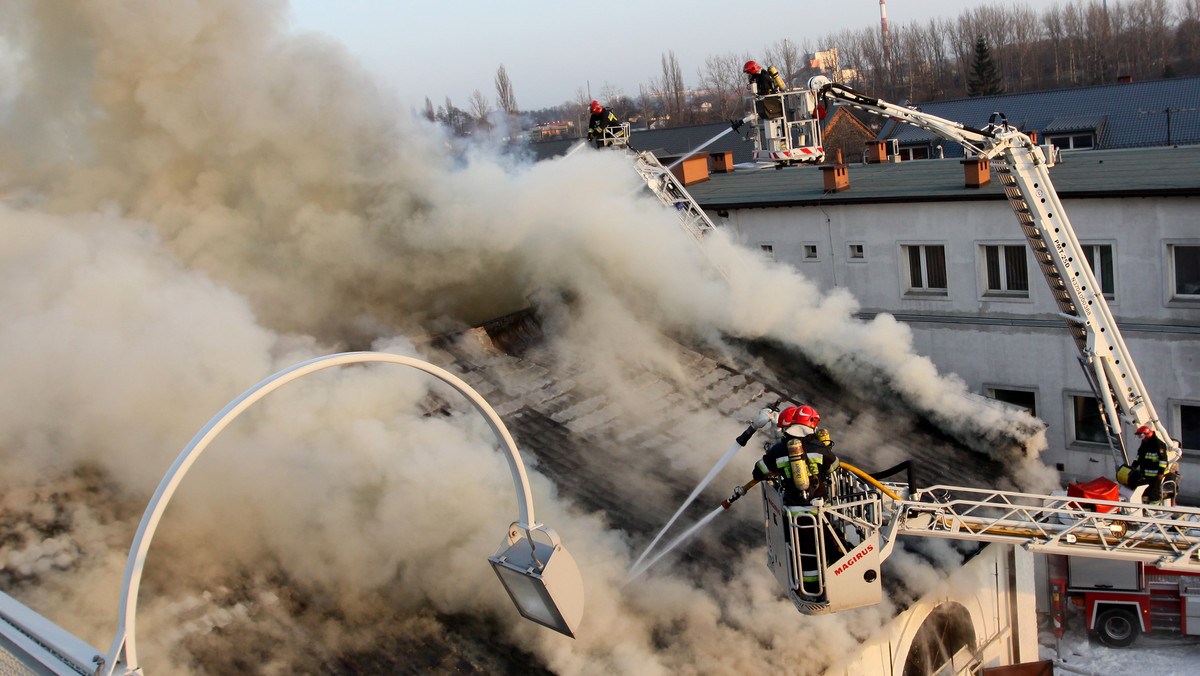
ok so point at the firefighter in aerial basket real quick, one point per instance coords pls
(603, 125)
(801, 462)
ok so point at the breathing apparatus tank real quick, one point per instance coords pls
(798, 464)
(776, 78)
(823, 436)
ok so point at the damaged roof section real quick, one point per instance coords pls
(577, 435)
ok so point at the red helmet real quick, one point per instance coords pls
(799, 415)
(751, 67)
(1144, 431)
(596, 107)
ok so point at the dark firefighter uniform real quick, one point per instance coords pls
(763, 83)
(819, 459)
(600, 121)
(820, 462)
(1150, 466)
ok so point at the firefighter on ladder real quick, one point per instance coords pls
(1151, 465)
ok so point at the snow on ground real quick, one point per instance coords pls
(1150, 655)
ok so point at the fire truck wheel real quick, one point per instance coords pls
(1117, 627)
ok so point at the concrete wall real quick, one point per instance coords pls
(996, 589)
(991, 351)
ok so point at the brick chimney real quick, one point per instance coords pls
(693, 169)
(836, 175)
(978, 172)
(876, 151)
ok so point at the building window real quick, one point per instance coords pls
(1088, 421)
(1188, 416)
(1100, 258)
(767, 251)
(1005, 272)
(1026, 399)
(925, 269)
(810, 252)
(914, 153)
(1185, 270)
(858, 251)
(1072, 141)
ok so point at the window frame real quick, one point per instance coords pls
(1003, 249)
(926, 292)
(1176, 428)
(1170, 270)
(1066, 142)
(767, 250)
(1072, 436)
(816, 252)
(862, 251)
(1112, 276)
(990, 392)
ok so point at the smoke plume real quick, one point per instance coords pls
(195, 197)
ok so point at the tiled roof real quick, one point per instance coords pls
(1135, 114)
(1075, 123)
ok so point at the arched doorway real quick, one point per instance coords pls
(944, 632)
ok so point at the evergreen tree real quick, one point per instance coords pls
(984, 79)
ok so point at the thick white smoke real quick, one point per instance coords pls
(196, 198)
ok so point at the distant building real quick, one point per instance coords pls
(846, 133)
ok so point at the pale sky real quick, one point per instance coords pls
(552, 49)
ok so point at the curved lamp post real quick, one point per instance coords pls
(542, 579)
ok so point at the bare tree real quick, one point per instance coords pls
(646, 99)
(612, 96)
(481, 108)
(504, 92)
(673, 91)
(1187, 34)
(722, 80)
(785, 56)
(582, 102)
(429, 113)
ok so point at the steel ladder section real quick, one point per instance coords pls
(1080, 301)
(1167, 536)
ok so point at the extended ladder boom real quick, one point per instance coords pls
(671, 193)
(1024, 174)
(1168, 537)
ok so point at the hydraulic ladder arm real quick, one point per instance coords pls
(1024, 174)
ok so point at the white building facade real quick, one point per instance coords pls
(958, 272)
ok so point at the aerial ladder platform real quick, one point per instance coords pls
(1024, 173)
(665, 185)
(827, 555)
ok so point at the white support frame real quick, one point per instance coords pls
(124, 650)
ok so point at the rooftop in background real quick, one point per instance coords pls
(1082, 173)
(1123, 115)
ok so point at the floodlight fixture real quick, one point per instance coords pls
(542, 579)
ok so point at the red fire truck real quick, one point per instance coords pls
(1121, 599)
